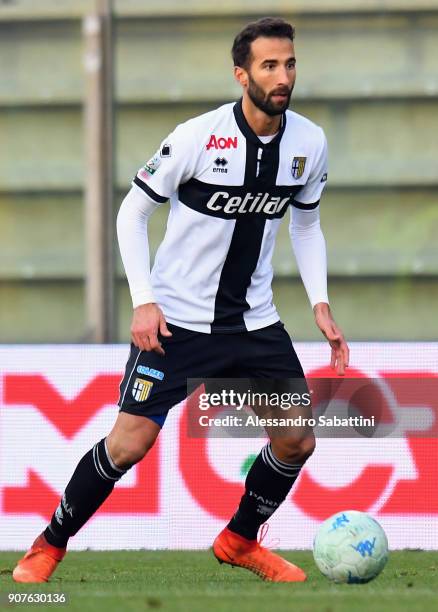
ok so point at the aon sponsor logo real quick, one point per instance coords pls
(249, 203)
(222, 143)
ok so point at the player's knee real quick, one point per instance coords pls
(293, 450)
(126, 454)
(307, 446)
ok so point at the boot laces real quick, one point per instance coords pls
(271, 544)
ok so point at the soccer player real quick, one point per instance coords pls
(206, 309)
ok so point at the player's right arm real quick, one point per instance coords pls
(148, 319)
(174, 163)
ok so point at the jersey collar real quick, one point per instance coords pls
(247, 131)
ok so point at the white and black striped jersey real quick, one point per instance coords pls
(228, 192)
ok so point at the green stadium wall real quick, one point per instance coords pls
(366, 74)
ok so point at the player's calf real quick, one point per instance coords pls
(92, 482)
(267, 485)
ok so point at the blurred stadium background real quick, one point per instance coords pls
(366, 73)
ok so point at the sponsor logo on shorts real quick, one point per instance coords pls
(150, 372)
(324, 177)
(141, 389)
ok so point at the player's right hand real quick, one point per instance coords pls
(147, 321)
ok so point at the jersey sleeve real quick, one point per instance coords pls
(173, 164)
(309, 195)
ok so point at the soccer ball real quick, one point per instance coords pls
(350, 547)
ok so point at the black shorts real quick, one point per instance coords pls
(153, 383)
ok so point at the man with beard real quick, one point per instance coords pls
(206, 309)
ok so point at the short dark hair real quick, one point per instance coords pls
(270, 27)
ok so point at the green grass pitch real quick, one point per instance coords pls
(194, 582)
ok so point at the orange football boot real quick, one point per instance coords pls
(39, 563)
(231, 548)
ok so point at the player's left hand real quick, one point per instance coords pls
(340, 352)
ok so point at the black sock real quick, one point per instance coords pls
(91, 483)
(267, 484)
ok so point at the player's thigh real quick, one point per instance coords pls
(276, 374)
(280, 391)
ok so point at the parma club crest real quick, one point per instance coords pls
(141, 389)
(298, 165)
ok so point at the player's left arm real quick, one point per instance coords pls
(309, 246)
